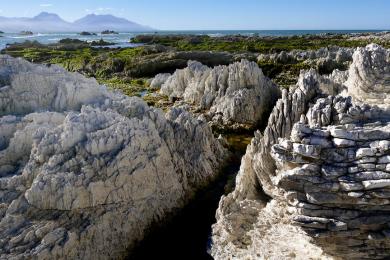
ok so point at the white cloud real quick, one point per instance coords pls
(99, 10)
(46, 5)
(1, 11)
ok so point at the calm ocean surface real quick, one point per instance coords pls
(122, 39)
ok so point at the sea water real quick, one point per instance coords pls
(123, 39)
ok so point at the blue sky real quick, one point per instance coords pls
(220, 14)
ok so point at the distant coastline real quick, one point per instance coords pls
(51, 22)
(122, 39)
(270, 32)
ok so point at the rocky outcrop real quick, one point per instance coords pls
(159, 80)
(246, 223)
(148, 61)
(84, 172)
(381, 37)
(169, 61)
(27, 88)
(234, 94)
(313, 185)
(325, 60)
(369, 76)
(338, 54)
(336, 177)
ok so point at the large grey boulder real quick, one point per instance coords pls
(84, 172)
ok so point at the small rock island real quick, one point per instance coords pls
(26, 33)
(109, 32)
(88, 34)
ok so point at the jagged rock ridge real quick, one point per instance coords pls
(234, 94)
(322, 160)
(324, 60)
(85, 171)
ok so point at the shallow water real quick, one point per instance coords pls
(239, 142)
(120, 40)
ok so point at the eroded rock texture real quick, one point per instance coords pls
(83, 171)
(234, 94)
(317, 178)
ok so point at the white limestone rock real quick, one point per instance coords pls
(238, 93)
(159, 80)
(369, 76)
(336, 195)
(27, 88)
(84, 171)
(256, 178)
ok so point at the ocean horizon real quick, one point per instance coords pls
(122, 39)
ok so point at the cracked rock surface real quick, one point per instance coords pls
(318, 176)
(84, 172)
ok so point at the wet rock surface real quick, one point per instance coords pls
(85, 171)
(320, 168)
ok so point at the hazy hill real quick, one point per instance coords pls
(93, 22)
(49, 22)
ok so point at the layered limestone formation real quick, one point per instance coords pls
(235, 94)
(315, 183)
(84, 172)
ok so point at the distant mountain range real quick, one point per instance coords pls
(49, 22)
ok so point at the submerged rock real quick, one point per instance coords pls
(26, 33)
(234, 94)
(84, 171)
(314, 184)
(84, 33)
(109, 32)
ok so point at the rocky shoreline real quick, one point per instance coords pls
(85, 171)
